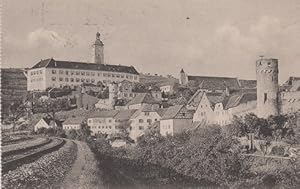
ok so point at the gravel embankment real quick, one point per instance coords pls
(84, 173)
(47, 172)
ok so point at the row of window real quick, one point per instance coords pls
(61, 79)
(101, 127)
(86, 73)
(36, 72)
(71, 127)
(166, 126)
(37, 79)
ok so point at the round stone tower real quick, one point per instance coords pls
(267, 87)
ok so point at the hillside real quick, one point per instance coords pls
(13, 87)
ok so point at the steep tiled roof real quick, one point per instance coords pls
(215, 97)
(172, 111)
(51, 122)
(103, 114)
(215, 83)
(74, 120)
(161, 111)
(51, 63)
(291, 80)
(124, 114)
(238, 99)
(195, 99)
(247, 83)
(143, 98)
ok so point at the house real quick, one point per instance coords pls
(141, 120)
(102, 122)
(176, 119)
(122, 118)
(73, 122)
(142, 100)
(217, 108)
(86, 101)
(47, 123)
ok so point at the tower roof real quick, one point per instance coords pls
(98, 40)
(182, 71)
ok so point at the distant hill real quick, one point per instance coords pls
(156, 79)
(13, 87)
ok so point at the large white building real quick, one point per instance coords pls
(55, 73)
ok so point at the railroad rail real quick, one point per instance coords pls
(9, 152)
(13, 161)
(15, 141)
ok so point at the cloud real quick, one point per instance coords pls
(43, 37)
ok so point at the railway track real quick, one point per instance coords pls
(12, 161)
(7, 151)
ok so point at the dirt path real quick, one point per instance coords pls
(84, 173)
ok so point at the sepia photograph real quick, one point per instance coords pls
(150, 94)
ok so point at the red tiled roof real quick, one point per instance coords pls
(247, 83)
(51, 63)
(103, 114)
(143, 98)
(172, 111)
(215, 83)
(238, 99)
(74, 120)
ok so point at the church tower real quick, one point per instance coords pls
(99, 47)
(183, 80)
(267, 87)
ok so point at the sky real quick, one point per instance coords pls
(204, 37)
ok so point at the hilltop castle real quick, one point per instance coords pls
(55, 73)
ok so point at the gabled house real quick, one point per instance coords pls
(47, 123)
(73, 122)
(102, 122)
(143, 100)
(141, 120)
(176, 119)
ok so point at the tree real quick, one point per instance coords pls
(16, 110)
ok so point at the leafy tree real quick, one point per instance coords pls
(16, 110)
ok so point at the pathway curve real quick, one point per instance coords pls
(84, 173)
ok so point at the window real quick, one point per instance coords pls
(99, 74)
(149, 121)
(109, 121)
(72, 79)
(141, 121)
(77, 73)
(265, 97)
(147, 113)
(82, 80)
(112, 75)
(41, 71)
(53, 71)
(118, 76)
(61, 71)
(82, 73)
(141, 127)
(77, 80)
(66, 79)
(93, 73)
(92, 80)
(61, 79)
(135, 77)
(122, 76)
(104, 74)
(72, 72)
(169, 127)
(109, 127)
(87, 80)
(90, 121)
(67, 72)
(87, 73)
